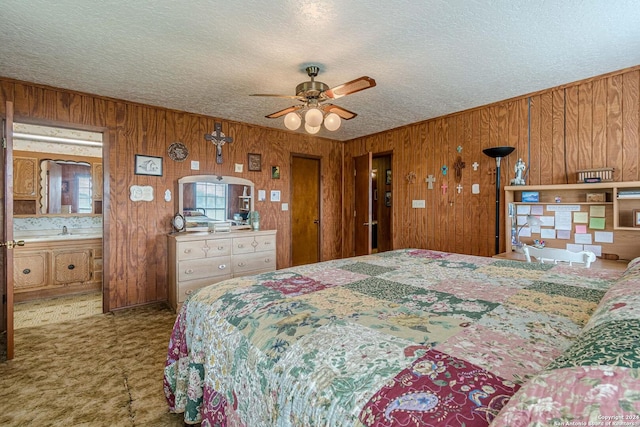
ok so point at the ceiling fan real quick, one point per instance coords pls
(313, 95)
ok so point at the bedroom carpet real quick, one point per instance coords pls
(101, 370)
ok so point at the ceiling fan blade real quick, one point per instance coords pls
(348, 88)
(344, 114)
(278, 96)
(283, 112)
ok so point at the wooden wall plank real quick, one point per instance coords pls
(599, 122)
(559, 175)
(614, 124)
(630, 138)
(546, 139)
(585, 126)
(571, 129)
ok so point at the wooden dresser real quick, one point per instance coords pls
(200, 259)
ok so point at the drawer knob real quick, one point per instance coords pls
(267, 260)
(241, 264)
(187, 251)
(222, 266)
(267, 243)
(240, 245)
(220, 248)
(71, 266)
(26, 271)
(189, 292)
(189, 271)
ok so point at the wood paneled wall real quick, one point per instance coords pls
(588, 124)
(137, 256)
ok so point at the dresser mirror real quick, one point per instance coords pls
(219, 198)
(65, 187)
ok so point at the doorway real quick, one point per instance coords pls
(58, 195)
(305, 210)
(373, 203)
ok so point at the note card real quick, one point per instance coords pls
(597, 210)
(603, 236)
(564, 234)
(596, 249)
(523, 209)
(581, 217)
(584, 239)
(581, 229)
(596, 223)
(547, 233)
(574, 248)
(563, 220)
(537, 210)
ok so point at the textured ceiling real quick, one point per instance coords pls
(429, 57)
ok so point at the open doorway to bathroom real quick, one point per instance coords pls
(58, 212)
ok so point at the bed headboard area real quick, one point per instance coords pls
(410, 337)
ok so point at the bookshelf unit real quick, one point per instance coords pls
(619, 200)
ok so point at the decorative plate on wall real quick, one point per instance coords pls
(178, 151)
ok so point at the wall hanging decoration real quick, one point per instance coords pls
(458, 166)
(255, 162)
(148, 165)
(459, 148)
(218, 139)
(411, 177)
(139, 193)
(430, 180)
(519, 168)
(459, 188)
(178, 152)
(444, 169)
(387, 180)
(444, 187)
(387, 198)
(475, 166)
(275, 172)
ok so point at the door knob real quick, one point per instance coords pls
(316, 221)
(10, 244)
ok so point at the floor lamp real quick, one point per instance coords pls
(498, 153)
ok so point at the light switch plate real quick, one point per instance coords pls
(418, 204)
(285, 206)
(239, 167)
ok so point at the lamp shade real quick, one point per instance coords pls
(498, 151)
(292, 121)
(332, 121)
(533, 221)
(311, 129)
(313, 117)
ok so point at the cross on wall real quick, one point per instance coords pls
(218, 139)
(430, 180)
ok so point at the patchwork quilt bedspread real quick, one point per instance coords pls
(402, 338)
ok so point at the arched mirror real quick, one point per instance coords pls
(216, 199)
(65, 187)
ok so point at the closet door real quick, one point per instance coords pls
(6, 236)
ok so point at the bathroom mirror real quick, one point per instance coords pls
(219, 198)
(66, 187)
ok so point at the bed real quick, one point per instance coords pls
(403, 338)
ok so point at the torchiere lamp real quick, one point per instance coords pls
(498, 153)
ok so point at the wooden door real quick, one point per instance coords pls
(6, 237)
(363, 214)
(305, 210)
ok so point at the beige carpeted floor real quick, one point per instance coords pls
(56, 310)
(101, 370)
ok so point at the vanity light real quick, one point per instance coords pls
(44, 138)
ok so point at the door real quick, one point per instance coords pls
(305, 210)
(363, 214)
(6, 236)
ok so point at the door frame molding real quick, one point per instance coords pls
(106, 306)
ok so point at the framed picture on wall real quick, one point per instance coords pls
(275, 172)
(387, 177)
(387, 198)
(255, 162)
(148, 165)
(636, 217)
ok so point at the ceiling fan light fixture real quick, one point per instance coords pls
(311, 129)
(332, 122)
(292, 121)
(313, 117)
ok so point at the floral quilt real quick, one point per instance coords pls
(402, 338)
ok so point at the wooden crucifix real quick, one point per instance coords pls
(218, 139)
(458, 166)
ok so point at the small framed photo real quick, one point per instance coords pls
(275, 172)
(387, 177)
(255, 162)
(275, 195)
(530, 197)
(148, 165)
(636, 217)
(65, 186)
(387, 198)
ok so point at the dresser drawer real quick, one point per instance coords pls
(204, 267)
(264, 261)
(184, 289)
(203, 249)
(250, 244)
